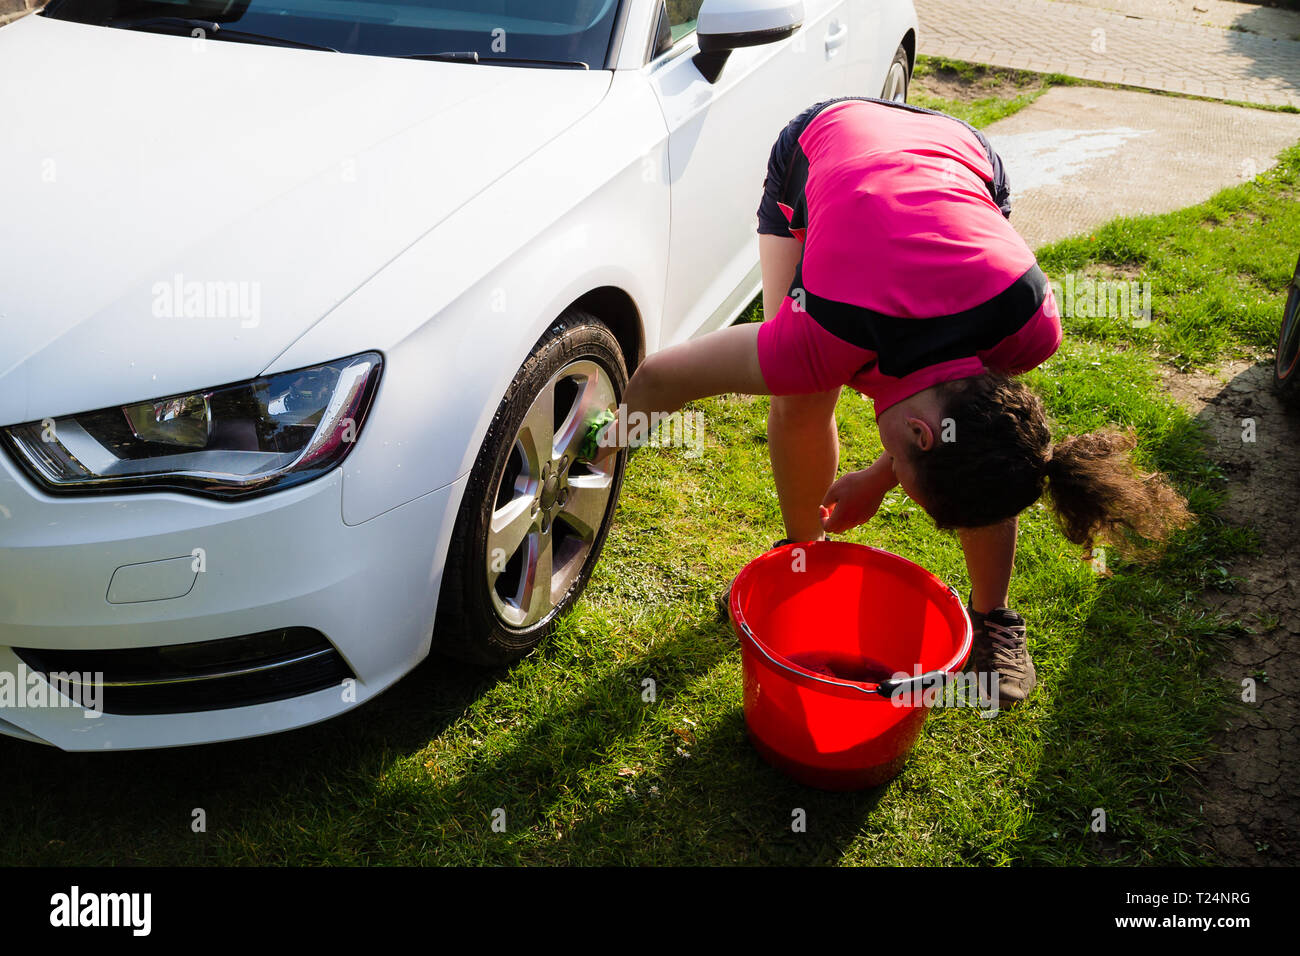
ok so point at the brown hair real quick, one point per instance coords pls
(999, 460)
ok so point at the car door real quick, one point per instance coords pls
(869, 49)
(719, 138)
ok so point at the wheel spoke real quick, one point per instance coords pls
(896, 84)
(509, 526)
(584, 511)
(537, 580)
(537, 432)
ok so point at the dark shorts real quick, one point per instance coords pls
(777, 187)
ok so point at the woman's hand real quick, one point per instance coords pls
(855, 498)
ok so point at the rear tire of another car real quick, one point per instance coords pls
(533, 519)
(1286, 364)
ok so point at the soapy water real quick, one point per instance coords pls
(842, 666)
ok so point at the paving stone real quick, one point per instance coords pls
(1080, 39)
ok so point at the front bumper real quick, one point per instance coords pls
(148, 570)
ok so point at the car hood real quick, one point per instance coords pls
(178, 212)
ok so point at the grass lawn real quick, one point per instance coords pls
(586, 771)
(981, 95)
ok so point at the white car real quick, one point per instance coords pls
(305, 303)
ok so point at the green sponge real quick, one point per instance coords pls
(590, 442)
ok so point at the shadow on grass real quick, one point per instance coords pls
(1132, 711)
(737, 809)
(138, 806)
(702, 797)
(345, 791)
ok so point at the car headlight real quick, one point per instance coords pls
(227, 442)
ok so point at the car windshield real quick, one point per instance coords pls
(513, 31)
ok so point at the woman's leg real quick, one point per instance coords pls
(805, 449)
(990, 553)
(801, 435)
(715, 364)
(1001, 646)
(802, 438)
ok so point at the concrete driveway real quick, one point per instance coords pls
(1080, 156)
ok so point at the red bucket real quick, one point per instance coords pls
(834, 637)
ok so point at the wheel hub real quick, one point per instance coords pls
(550, 490)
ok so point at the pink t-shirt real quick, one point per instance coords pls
(911, 274)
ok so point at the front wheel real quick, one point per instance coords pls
(898, 77)
(533, 519)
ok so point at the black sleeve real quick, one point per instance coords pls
(771, 221)
(1000, 188)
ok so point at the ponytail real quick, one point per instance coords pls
(1098, 493)
(1005, 461)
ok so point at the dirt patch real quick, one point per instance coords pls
(1131, 271)
(1250, 806)
(972, 84)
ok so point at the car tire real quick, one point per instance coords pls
(1286, 363)
(523, 516)
(898, 78)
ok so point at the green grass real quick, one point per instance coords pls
(992, 93)
(1215, 270)
(587, 771)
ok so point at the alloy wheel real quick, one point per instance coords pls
(548, 506)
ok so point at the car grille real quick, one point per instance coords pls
(208, 675)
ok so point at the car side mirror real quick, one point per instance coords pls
(726, 25)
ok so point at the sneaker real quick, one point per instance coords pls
(999, 647)
(723, 600)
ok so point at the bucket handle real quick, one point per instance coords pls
(886, 688)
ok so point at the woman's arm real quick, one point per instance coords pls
(779, 255)
(856, 497)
